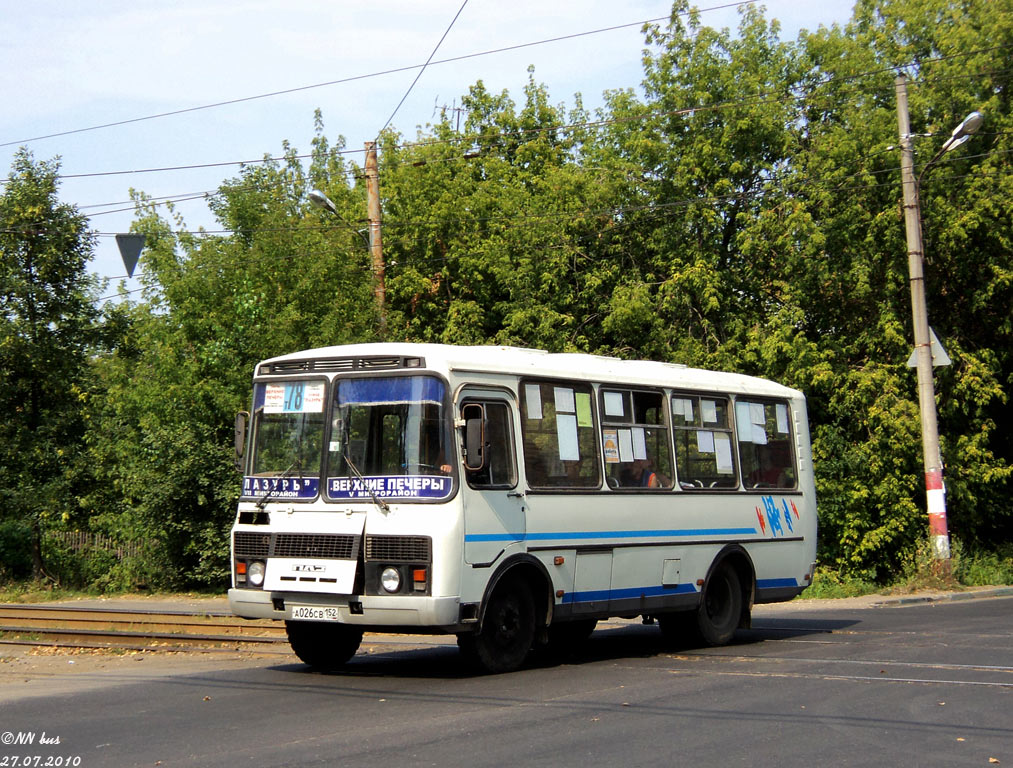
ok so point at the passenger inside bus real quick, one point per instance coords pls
(641, 474)
(775, 466)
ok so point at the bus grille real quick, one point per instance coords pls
(314, 545)
(334, 547)
(394, 549)
(252, 544)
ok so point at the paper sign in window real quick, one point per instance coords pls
(709, 411)
(533, 397)
(756, 415)
(566, 434)
(705, 441)
(723, 449)
(564, 400)
(274, 398)
(743, 426)
(584, 409)
(625, 445)
(614, 404)
(782, 418)
(610, 445)
(759, 434)
(639, 443)
(294, 397)
(685, 408)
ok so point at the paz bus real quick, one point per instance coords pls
(514, 498)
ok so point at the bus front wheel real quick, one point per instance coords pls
(507, 633)
(324, 647)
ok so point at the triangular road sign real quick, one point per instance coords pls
(939, 356)
(130, 250)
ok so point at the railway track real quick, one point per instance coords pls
(120, 628)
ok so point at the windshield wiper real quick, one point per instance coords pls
(296, 466)
(376, 499)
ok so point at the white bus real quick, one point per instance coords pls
(514, 497)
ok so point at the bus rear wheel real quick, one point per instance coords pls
(324, 647)
(507, 633)
(716, 618)
(720, 606)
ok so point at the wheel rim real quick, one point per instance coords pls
(718, 600)
(507, 624)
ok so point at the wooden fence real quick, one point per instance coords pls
(82, 540)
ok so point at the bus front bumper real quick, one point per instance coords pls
(375, 611)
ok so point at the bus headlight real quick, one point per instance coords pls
(255, 573)
(390, 578)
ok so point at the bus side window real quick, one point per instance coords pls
(561, 443)
(703, 442)
(498, 470)
(635, 440)
(764, 437)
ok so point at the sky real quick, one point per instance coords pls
(67, 67)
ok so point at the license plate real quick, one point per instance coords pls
(314, 613)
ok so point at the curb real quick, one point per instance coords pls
(946, 597)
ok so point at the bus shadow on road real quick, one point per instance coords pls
(632, 641)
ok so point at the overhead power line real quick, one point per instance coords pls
(354, 78)
(798, 94)
(423, 69)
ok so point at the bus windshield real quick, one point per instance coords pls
(390, 437)
(288, 428)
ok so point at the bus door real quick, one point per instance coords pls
(493, 506)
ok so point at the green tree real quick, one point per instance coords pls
(49, 324)
(287, 277)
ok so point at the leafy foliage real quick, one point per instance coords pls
(741, 211)
(47, 329)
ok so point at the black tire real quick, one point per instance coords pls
(564, 639)
(678, 629)
(568, 635)
(720, 608)
(507, 633)
(325, 647)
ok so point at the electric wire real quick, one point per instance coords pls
(283, 92)
(423, 69)
(802, 96)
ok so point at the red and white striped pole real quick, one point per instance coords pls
(935, 490)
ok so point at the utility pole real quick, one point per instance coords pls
(933, 462)
(375, 242)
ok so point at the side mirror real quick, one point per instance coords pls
(474, 436)
(240, 438)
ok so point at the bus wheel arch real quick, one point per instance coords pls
(726, 600)
(532, 572)
(516, 609)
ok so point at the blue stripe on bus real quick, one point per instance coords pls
(589, 596)
(775, 583)
(571, 535)
(597, 595)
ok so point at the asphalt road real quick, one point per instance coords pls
(914, 685)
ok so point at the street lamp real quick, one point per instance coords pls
(934, 489)
(322, 201)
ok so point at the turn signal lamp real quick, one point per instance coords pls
(419, 577)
